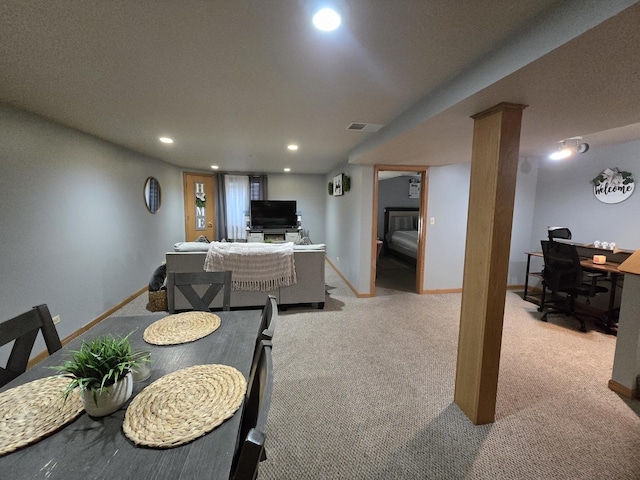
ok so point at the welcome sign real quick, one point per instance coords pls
(613, 185)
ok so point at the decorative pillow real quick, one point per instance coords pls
(402, 222)
(191, 247)
(315, 246)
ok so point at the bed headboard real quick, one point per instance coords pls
(400, 218)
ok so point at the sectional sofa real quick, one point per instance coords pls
(309, 289)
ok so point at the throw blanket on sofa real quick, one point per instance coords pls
(259, 267)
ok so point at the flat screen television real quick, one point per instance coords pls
(273, 214)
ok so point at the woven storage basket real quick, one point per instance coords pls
(158, 301)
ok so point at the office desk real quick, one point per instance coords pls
(609, 268)
(97, 448)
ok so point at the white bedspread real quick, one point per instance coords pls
(259, 267)
(407, 239)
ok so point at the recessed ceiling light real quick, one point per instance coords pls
(292, 147)
(326, 19)
(560, 154)
(287, 169)
(166, 139)
(215, 167)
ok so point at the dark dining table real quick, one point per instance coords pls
(96, 448)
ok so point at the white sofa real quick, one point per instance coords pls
(310, 288)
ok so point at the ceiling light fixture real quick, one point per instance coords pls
(215, 167)
(292, 147)
(326, 19)
(287, 169)
(165, 139)
(565, 148)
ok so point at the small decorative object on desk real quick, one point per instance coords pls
(599, 259)
(597, 244)
(102, 370)
(604, 245)
(612, 245)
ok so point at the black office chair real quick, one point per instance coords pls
(24, 329)
(251, 450)
(562, 273)
(184, 283)
(558, 232)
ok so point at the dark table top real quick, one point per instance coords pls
(96, 448)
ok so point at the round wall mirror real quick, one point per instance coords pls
(152, 194)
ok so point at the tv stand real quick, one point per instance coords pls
(273, 235)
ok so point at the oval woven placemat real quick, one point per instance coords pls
(184, 405)
(181, 328)
(35, 410)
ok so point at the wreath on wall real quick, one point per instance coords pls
(346, 183)
(613, 176)
(201, 199)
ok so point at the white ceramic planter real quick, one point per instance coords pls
(143, 370)
(111, 398)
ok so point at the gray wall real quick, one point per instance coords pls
(448, 204)
(523, 212)
(309, 191)
(564, 197)
(393, 192)
(76, 233)
(349, 226)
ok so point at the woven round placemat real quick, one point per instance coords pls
(181, 328)
(35, 410)
(184, 405)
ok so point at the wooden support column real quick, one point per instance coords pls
(494, 166)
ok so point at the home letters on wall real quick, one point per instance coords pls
(201, 205)
(613, 185)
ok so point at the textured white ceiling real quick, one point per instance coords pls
(235, 81)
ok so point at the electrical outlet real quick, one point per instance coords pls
(56, 319)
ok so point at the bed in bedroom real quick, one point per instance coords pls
(401, 233)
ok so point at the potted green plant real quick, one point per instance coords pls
(102, 370)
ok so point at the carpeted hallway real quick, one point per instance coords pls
(364, 390)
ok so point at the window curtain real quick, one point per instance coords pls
(237, 199)
(259, 187)
(221, 208)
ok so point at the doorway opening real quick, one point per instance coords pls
(399, 213)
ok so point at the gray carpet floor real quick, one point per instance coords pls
(364, 390)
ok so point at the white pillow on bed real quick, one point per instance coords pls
(402, 222)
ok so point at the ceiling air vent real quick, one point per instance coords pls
(364, 127)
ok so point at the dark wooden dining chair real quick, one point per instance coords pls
(269, 316)
(251, 449)
(267, 330)
(23, 330)
(184, 282)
